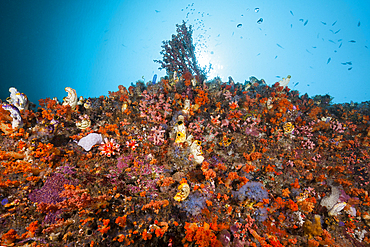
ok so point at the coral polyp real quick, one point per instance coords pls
(109, 147)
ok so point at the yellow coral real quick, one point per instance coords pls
(288, 127)
(313, 229)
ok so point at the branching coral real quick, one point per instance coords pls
(179, 53)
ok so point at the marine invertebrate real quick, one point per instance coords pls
(226, 141)
(194, 204)
(196, 151)
(87, 104)
(179, 54)
(17, 99)
(84, 122)
(157, 135)
(330, 201)
(288, 127)
(80, 101)
(187, 106)
(184, 191)
(71, 99)
(132, 144)
(335, 210)
(233, 105)
(181, 130)
(90, 140)
(50, 192)
(285, 81)
(156, 205)
(313, 228)
(15, 114)
(202, 235)
(254, 191)
(109, 147)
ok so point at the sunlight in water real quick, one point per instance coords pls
(204, 59)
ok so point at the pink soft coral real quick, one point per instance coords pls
(157, 135)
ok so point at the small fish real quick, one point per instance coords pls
(258, 54)
(277, 76)
(280, 46)
(292, 13)
(308, 51)
(291, 25)
(301, 20)
(331, 41)
(366, 47)
(337, 31)
(276, 57)
(352, 41)
(305, 23)
(239, 25)
(350, 68)
(340, 45)
(328, 60)
(232, 34)
(323, 23)
(334, 23)
(157, 11)
(358, 24)
(296, 84)
(340, 40)
(314, 47)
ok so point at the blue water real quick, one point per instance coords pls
(94, 46)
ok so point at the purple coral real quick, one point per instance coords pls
(254, 191)
(49, 193)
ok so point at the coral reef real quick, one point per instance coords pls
(186, 162)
